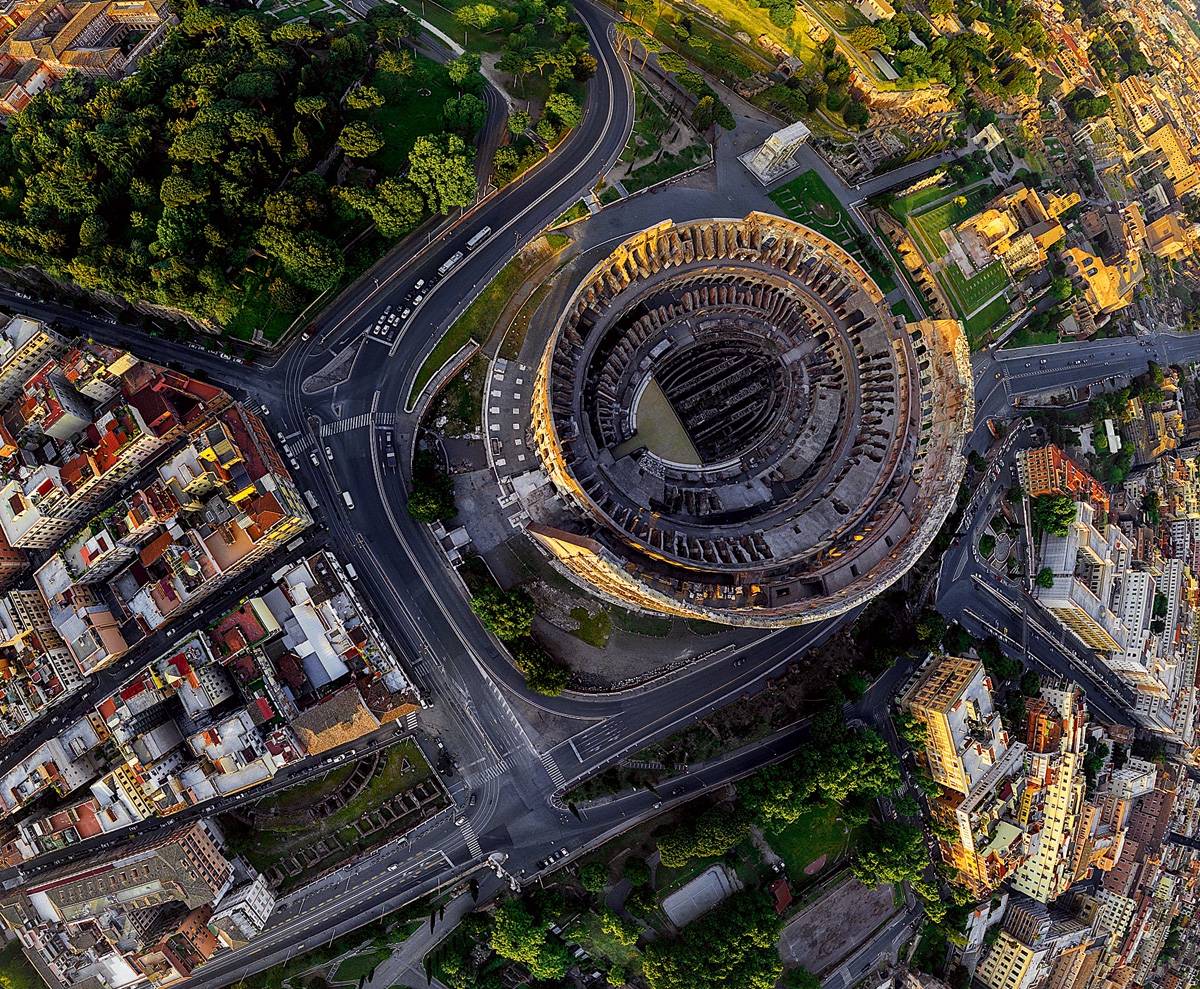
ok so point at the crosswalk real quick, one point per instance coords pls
(495, 771)
(556, 775)
(473, 845)
(358, 422)
(410, 721)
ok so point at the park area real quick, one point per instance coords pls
(808, 200)
(979, 299)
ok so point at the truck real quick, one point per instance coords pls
(449, 263)
(479, 238)
(347, 499)
(310, 497)
(389, 449)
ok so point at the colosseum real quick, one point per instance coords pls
(735, 427)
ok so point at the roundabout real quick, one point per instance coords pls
(738, 429)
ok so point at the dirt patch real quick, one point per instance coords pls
(833, 927)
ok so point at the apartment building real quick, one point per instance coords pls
(1089, 567)
(1049, 471)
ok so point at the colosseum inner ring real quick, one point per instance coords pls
(739, 430)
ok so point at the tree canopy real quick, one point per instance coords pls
(167, 186)
(506, 614)
(1054, 514)
(733, 947)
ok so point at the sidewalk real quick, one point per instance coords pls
(404, 968)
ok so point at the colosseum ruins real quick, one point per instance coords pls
(734, 427)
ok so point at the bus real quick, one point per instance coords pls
(449, 263)
(295, 544)
(311, 499)
(479, 238)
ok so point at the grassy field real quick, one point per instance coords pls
(902, 308)
(576, 212)
(817, 833)
(986, 318)
(593, 629)
(980, 288)
(808, 200)
(479, 318)
(904, 205)
(668, 166)
(358, 966)
(408, 115)
(929, 224)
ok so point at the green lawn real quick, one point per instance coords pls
(308, 794)
(668, 166)
(408, 115)
(904, 205)
(480, 316)
(929, 224)
(1026, 338)
(593, 629)
(576, 212)
(981, 287)
(808, 200)
(358, 966)
(986, 318)
(817, 833)
(650, 625)
(606, 946)
(902, 308)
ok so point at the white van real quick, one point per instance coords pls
(347, 499)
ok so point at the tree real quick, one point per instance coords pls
(624, 932)
(890, 852)
(308, 258)
(1061, 289)
(594, 877)
(311, 106)
(518, 122)
(702, 113)
(906, 806)
(670, 62)
(636, 871)
(506, 614)
(564, 109)
(432, 495)
(940, 8)
(911, 730)
(1054, 514)
(1045, 578)
(521, 937)
(465, 113)
(463, 67)
(987, 545)
(800, 978)
(732, 947)
(359, 139)
(931, 627)
(542, 674)
(364, 98)
(440, 166)
(865, 38)
(713, 833)
(286, 297)
(1031, 683)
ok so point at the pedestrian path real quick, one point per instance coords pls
(556, 775)
(358, 422)
(473, 845)
(494, 771)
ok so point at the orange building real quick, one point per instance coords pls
(1049, 471)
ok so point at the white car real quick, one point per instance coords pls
(393, 867)
(405, 314)
(329, 453)
(316, 461)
